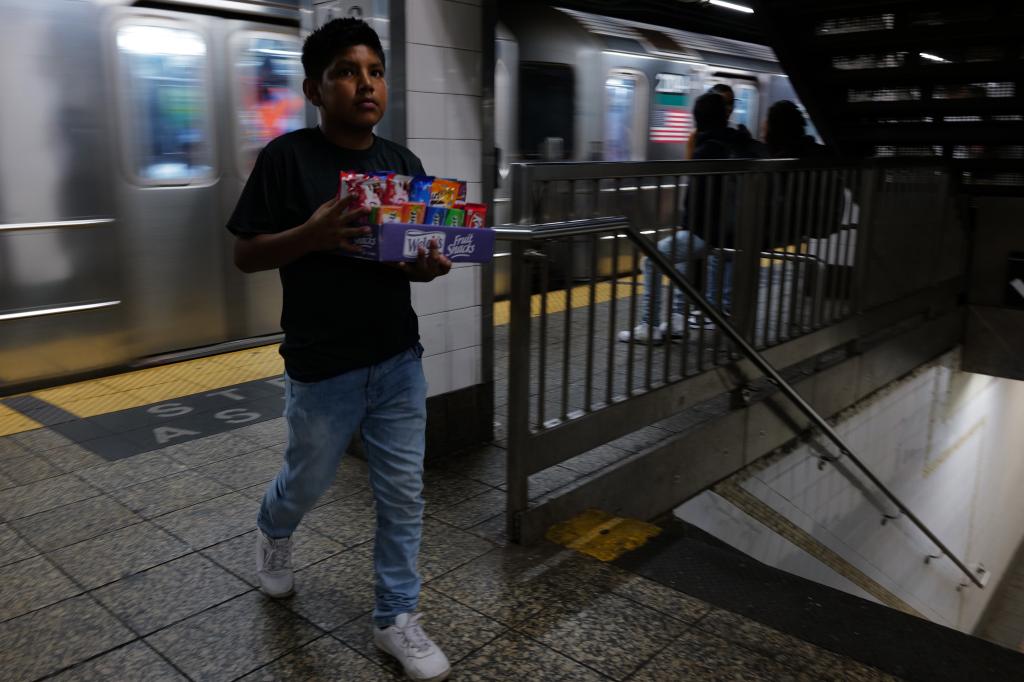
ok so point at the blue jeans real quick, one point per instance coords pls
(684, 241)
(387, 402)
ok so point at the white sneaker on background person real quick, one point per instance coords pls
(642, 333)
(678, 326)
(405, 640)
(274, 565)
(699, 320)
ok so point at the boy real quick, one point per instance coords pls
(351, 350)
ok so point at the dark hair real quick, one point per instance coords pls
(785, 126)
(723, 89)
(710, 112)
(327, 42)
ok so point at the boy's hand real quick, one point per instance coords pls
(428, 265)
(331, 226)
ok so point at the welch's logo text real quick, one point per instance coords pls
(414, 239)
(462, 246)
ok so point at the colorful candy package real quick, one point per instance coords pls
(444, 192)
(419, 189)
(388, 213)
(476, 215)
(396, 190)
(365, 190)
(435, 215)
(413, 214)
(455, 217)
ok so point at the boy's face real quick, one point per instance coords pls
(352, 91)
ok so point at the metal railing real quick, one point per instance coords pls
(577, 284)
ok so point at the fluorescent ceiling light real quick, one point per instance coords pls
(732, 6)
(932, 57)
(160, 40)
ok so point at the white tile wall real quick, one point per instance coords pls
(444, 124)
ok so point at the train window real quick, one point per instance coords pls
(546, 108)
(744, 110)
(165, 79)
(625, 116)
(270, 101)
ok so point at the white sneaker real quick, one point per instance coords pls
(699, 320)
(406, 641)
(274, 565)
(642, 333)
(678, 326)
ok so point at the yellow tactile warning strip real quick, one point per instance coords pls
(755, 508)
(15, 422)
(602, 535)
(156, 384)
(580, 297)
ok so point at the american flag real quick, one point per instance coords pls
(671, 125)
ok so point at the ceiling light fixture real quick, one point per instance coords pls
(732, 6)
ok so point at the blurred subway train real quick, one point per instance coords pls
(127, 131)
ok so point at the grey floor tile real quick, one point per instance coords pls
(135, 662)
(458, 630)
(473, 511)
(494, 530)
(33, 498)
(699, 656)
(321, 661)
(604, 631)
(9, 447)
(237, 554)
(51, 530)
(507, 585)
(266, 433)
(232, 639)
(168, 494)
(131, 471)
(640, 439)
(335, 590)
(442, 490)
(749, 633)
(515, 657)
(7, 482)
(170, 592)
(444, 548)
(118, 554)
(245, 470)
(31, 584)
(551, 479)
(202, 451)
(12, 547)
(28, 469)
(213, 521)
(41, 439)
(72, 457)
(824, 666)
(51, 639)
(350, 521)
(486, 464)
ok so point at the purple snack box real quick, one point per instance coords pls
(395, 242)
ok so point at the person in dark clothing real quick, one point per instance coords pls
(351, 347)
(785, 133)
(705, 223)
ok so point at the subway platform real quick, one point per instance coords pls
(128, 509)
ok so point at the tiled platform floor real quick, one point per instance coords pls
(140, 569)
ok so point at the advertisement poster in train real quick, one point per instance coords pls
(671, 122)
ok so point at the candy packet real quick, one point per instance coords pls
(396, 189)
(444, 192)
(476, 215)
(419, 189)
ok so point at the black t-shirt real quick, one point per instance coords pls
(339, 313)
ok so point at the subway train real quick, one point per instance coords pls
(574, 86)
(127, 130)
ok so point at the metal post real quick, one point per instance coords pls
(517, 499)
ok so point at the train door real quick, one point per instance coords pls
(264, 86)
(625, 115)
(162, 65)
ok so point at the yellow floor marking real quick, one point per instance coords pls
(580, 296)
(602, 535)
(77, 391)
(160, 392)
(15, 422)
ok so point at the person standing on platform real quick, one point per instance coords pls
(351, 348)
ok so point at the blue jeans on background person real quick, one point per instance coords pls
(387, 402)
(653, 285)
